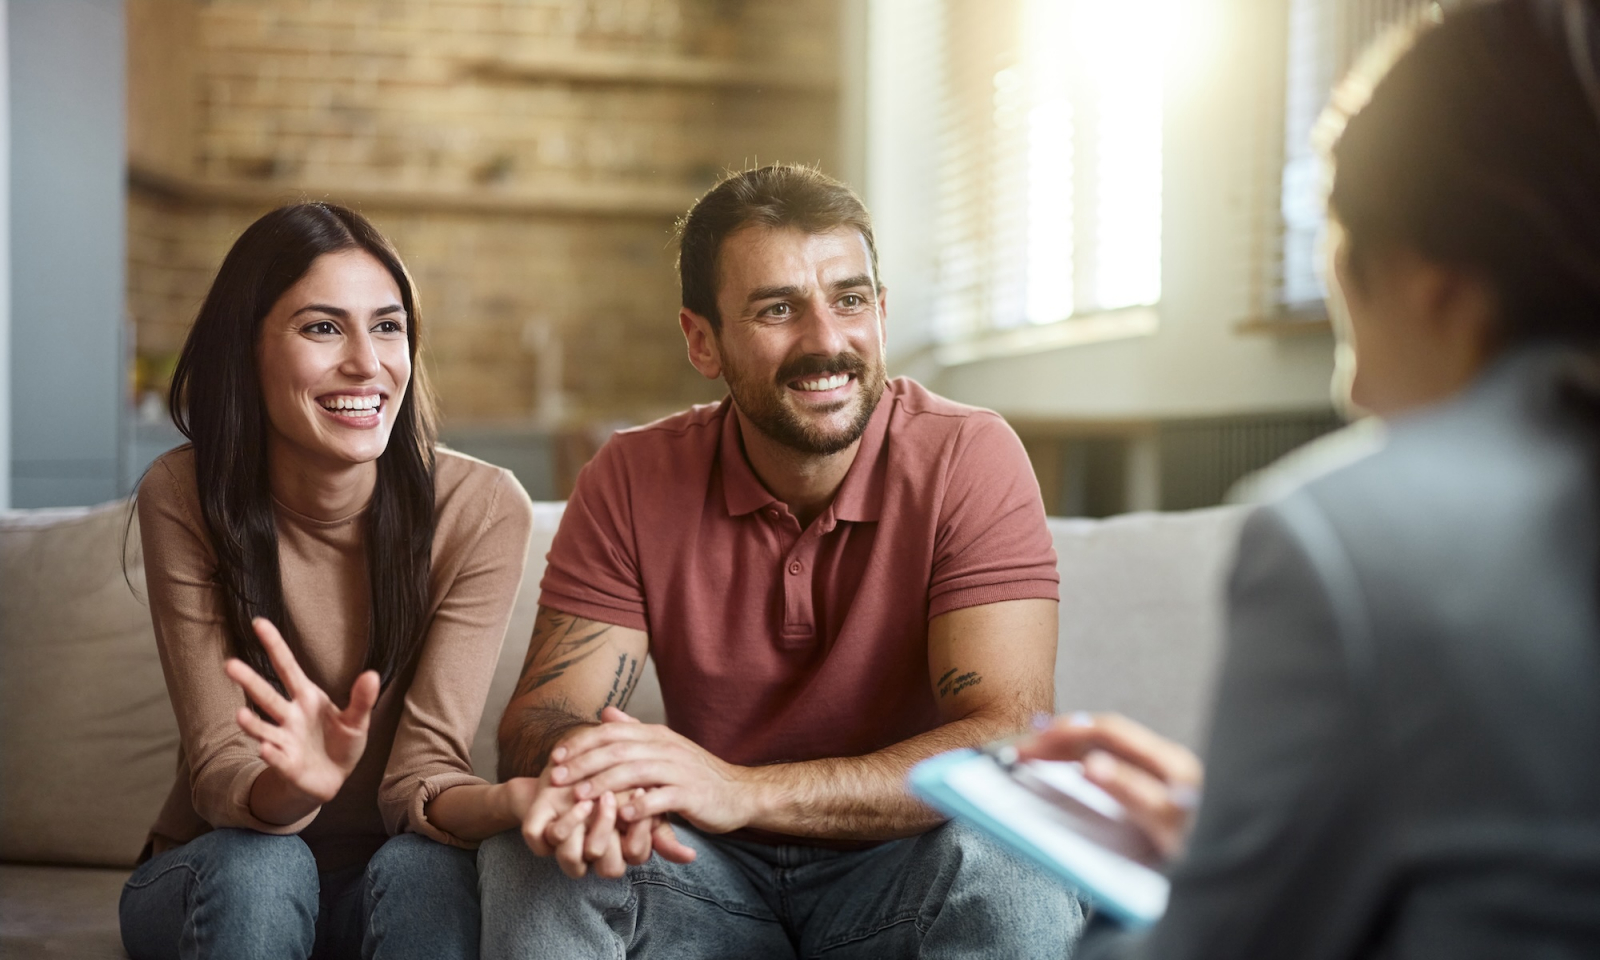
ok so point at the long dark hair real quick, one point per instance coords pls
(1479, 147)
(216, 402)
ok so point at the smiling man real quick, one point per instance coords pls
(837, 575)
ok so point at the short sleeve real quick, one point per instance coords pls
(593, 567)
(191, 636)
(432, 749)
(992, 542)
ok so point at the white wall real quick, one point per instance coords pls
(900, 166)
(1196, 363)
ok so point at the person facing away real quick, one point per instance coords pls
(837, 575)
(329, 592)
(1405, 758)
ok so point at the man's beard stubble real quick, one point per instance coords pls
(762, 403)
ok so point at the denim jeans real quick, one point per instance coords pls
(243, 895)
(947, 893)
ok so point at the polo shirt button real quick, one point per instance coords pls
(795, 568)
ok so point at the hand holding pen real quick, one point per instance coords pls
(1157, 780)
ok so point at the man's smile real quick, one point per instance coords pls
(825, 389)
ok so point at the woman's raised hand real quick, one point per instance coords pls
(311, 742)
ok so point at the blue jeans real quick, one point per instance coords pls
(947, 893)
(244, 895)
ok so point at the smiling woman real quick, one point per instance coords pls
(312, 545)
(281, 331)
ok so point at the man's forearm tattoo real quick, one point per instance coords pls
(622, 684)
(559, 641)
(954, 681)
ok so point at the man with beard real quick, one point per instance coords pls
(837, 575)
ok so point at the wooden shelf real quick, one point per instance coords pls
(1300, 321)
(612, 200)
(629, 70)
(1284, 328)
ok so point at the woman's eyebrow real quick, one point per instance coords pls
(322, 308)
(344, 314)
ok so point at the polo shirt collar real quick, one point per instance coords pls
(740, 485)
(860, 497)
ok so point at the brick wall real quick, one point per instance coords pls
(528, 158)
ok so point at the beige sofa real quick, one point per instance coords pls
(87, 738)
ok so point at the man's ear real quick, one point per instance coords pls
(704, 350)
(883, 314)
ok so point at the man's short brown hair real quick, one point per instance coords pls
(779, 195)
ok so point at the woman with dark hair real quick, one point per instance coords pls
(1405, 756)
(329, 591)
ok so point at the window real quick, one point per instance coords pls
(1326, 38)
(1019, 158)
(1050, 162)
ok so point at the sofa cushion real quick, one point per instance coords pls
(88, 743)
(60, 912)
(1141, 615)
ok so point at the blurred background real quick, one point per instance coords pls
(1099, 218)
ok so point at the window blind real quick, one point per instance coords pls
(1049, 173)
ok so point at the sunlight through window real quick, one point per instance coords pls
(1120, 57)
(1054, 206)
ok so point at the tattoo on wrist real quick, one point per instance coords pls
(559, 641)
(954, 681)
(622, 684)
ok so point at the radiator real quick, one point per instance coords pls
(1201, 459)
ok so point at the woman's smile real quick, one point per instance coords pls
(359, 410)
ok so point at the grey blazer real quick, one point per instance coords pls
(1405, 755)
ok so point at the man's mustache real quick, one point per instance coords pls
(808, 367)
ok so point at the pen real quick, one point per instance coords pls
(1005, 755)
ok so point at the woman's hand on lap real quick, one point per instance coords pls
(311, 742)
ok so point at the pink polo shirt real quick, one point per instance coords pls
(775, 643)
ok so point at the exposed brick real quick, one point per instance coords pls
(324, 96)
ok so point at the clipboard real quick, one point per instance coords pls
(1047, 812)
